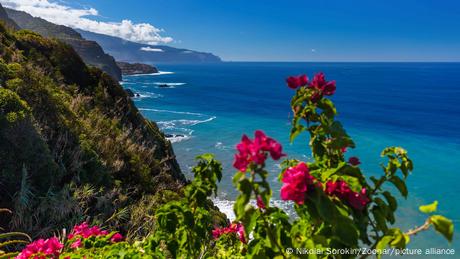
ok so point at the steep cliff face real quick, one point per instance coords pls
(89, 51)
(73, 146)
(128, 51)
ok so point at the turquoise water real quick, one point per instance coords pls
(413, 105)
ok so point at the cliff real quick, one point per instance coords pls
(73, 146)
(128, 51)
(136, 68)
(90, 51)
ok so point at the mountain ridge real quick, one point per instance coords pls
(90, 51)
(128, 51)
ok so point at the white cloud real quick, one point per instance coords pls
(150, 49)
(83, 18)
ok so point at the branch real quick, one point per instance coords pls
(421, 228)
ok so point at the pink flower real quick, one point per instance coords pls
(296, 81)
(76, 244)
(341, 190)
(117, 237)
(255, 151)
(303, 80)
(260, 203)
(354, 161)
(296, 182)
(85, 231)
(293, 82)
(343, 149)
(42, 248)
(233, 228)
(320, 83)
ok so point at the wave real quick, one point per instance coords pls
(221, 146)
(183, 122)
(175, 138)
(226, 206)
(142, 95)
(175, 112)
(159, 73)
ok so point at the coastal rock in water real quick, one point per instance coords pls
(136, 68)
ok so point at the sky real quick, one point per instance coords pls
(272, 30)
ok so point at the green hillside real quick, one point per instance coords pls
(73, 146)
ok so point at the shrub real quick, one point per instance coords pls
(336, 206)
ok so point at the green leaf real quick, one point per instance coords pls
(391, 200)
(443, 225)
(400, 184)
(382, 244)
(429, 208)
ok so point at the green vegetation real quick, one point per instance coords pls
(73, 146)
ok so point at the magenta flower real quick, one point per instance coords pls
(255, 151)
(85, 231)
(320, 83)
(296, 81)
(42, 248)
(296, 182)
(76, 244)
(117, 237)
(354, 161)
(260, 203)
(233, 228)
(341, 190)
(293, 82)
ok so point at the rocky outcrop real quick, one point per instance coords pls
(136, 68)
(90, 51)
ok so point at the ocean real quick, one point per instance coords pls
(206, 109)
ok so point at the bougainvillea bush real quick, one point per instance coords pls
(337, 209)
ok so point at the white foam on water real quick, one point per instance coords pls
(226, 206)
(154, 74)
(178, 138)
(175, 112)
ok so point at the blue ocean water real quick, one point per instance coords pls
(413, 105)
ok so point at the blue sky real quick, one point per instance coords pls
(295, 30)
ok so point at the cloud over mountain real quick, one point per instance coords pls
(85, 19)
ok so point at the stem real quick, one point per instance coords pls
(267, 227)
(415, 231)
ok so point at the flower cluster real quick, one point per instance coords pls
(255, 151)
(340, 189)
(85, 231)
(233, 228)
(42, 248)
(297, 180)
(319, 84)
